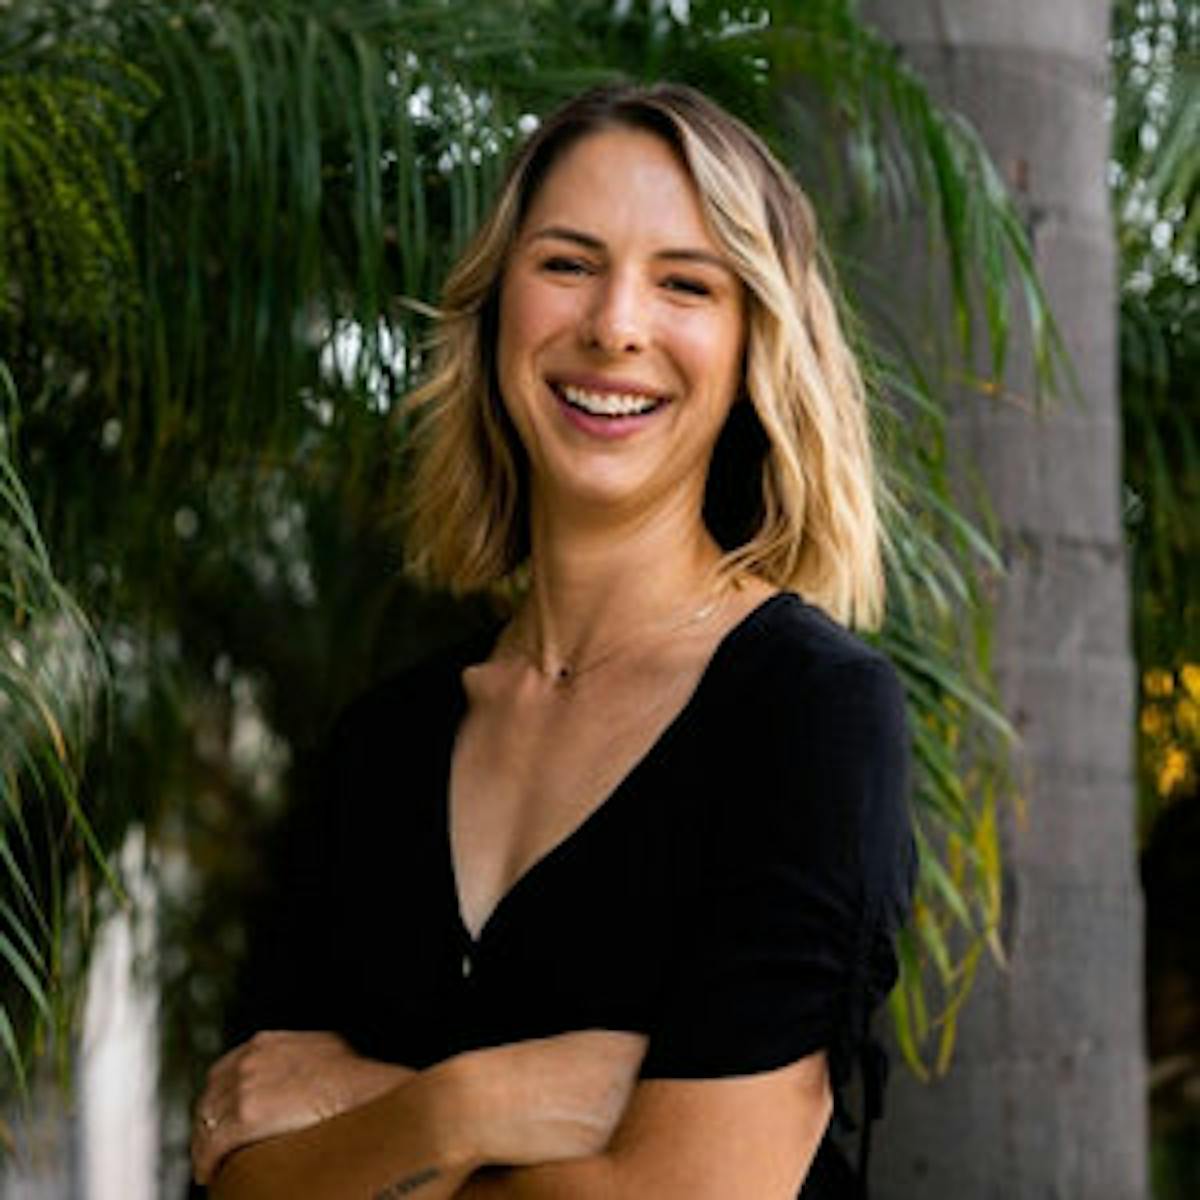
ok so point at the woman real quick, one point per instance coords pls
(604, 897)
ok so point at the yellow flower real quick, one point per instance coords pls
(1174, 770)
(1158, 683)
(1153, 722)
(1189, 674)
(1187, 718)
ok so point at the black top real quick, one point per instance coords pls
(734, 897)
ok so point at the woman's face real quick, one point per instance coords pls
(621, 330)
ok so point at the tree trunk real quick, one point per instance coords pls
(1046, 1095)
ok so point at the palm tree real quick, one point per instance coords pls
(207, 220)
(1046, 1097)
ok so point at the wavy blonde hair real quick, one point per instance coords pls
(792, 492)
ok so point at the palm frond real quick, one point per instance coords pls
(65, 170)
(50, 679)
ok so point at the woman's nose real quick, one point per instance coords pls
(617, 319)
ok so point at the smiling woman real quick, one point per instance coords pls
(792, 492)
(621, 932)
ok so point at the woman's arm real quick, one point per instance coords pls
(405, 1142)
(538, 1101)
(751, 1137)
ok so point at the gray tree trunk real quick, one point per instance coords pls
(1046, 1096)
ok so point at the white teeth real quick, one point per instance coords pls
(609, 404)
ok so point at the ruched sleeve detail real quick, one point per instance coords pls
(808, 871)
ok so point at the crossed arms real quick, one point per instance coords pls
(548, 1119)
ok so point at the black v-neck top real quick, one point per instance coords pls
(735, 897)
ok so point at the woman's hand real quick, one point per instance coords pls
(546, 1099)
(277, 1083)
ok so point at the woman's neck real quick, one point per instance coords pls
(592, 587)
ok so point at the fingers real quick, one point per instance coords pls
(214, 1137)
(208, 1145)
(233, 1109)
(230, 1115)
(219, 1123)
(276, 1082)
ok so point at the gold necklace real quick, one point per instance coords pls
(568, 673)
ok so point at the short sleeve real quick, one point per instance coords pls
(808, 875)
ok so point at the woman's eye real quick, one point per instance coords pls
(562, 265)
(689, 287)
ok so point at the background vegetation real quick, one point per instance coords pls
(1155, 178)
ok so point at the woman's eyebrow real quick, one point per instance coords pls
(695, 254)
(590, 242)
(566, 234)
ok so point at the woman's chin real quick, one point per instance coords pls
(597, 493)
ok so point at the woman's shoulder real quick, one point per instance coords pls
(795, 651)
(817, 713)
(826, 741)
(416, 698)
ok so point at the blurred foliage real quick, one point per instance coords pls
(1155, 178)
(1155, 174)
(213, 219)
(1169, 724)
(51, 680)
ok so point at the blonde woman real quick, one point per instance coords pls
(604, 897)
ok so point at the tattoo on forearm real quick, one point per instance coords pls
(405, 1187)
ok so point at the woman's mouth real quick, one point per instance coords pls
(610, 405)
